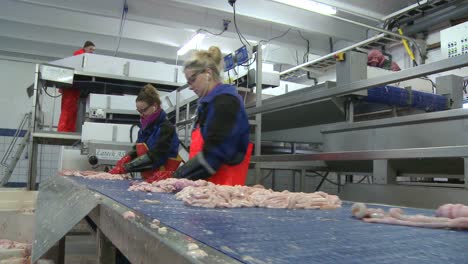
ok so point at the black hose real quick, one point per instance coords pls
(131, 131)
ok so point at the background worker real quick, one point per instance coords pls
(70, 97)
(220, 149)
(375, 58)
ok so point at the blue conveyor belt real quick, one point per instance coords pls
(257, 235)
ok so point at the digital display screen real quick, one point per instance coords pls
(242, 56)
(228, 62)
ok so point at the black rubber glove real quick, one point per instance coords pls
(139, 164)
(195, 169)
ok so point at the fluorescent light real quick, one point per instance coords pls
(310, 6)
(191, 44)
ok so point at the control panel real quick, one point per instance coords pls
(454, 41)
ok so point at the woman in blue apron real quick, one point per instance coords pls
(155, 154)
(220, 149)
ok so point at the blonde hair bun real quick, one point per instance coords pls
(215, 54)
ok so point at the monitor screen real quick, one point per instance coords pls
(242, 56)
(228, 62)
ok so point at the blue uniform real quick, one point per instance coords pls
(161, 139)
(224, 126)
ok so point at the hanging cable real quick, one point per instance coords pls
(226, 23)
(305, 58)
(122, 23)
(239, 34)
(131, 131)
(211, 33)
(277, 37)
(45, 88)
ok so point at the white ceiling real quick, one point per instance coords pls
(155, 29)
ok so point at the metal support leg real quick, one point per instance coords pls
(384, 173)
(301, 180)
(258, 117)
(32, 150)
(338, 180)
(466, 172)
(61, 251)
(293, 181)
(106, 250)
(32, 165)
(350, 112)
(273, 180)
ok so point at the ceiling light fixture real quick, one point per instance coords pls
(191, 44)
(310, 6)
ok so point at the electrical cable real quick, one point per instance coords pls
(122, 24)
(239, 34)
(277, 37)
(209, 32)
(320, 175)
(305, 58)
(361, 180)
(432, 83)
(131, 131)
(254, 59)
(45, 88)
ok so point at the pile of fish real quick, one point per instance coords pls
(12, 252)
(89, 174)
(206, 194)
(446, 216)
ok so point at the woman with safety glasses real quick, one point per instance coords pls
(220, 149)
(155, 154)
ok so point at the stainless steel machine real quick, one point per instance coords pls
(107, 122)
(401, 136)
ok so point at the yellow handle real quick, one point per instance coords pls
(405, 43)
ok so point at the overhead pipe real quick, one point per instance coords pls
(428, 21)
(394, 34)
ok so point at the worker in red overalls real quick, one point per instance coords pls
(155, 154)
(375, 58)
(220, 149)
(70, 96)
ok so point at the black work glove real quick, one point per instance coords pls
(195, 169)
(139, 164)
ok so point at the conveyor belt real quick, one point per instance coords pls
(256, 235)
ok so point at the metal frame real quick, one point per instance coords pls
(410, 153)
(402, 120)
(422, 70)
